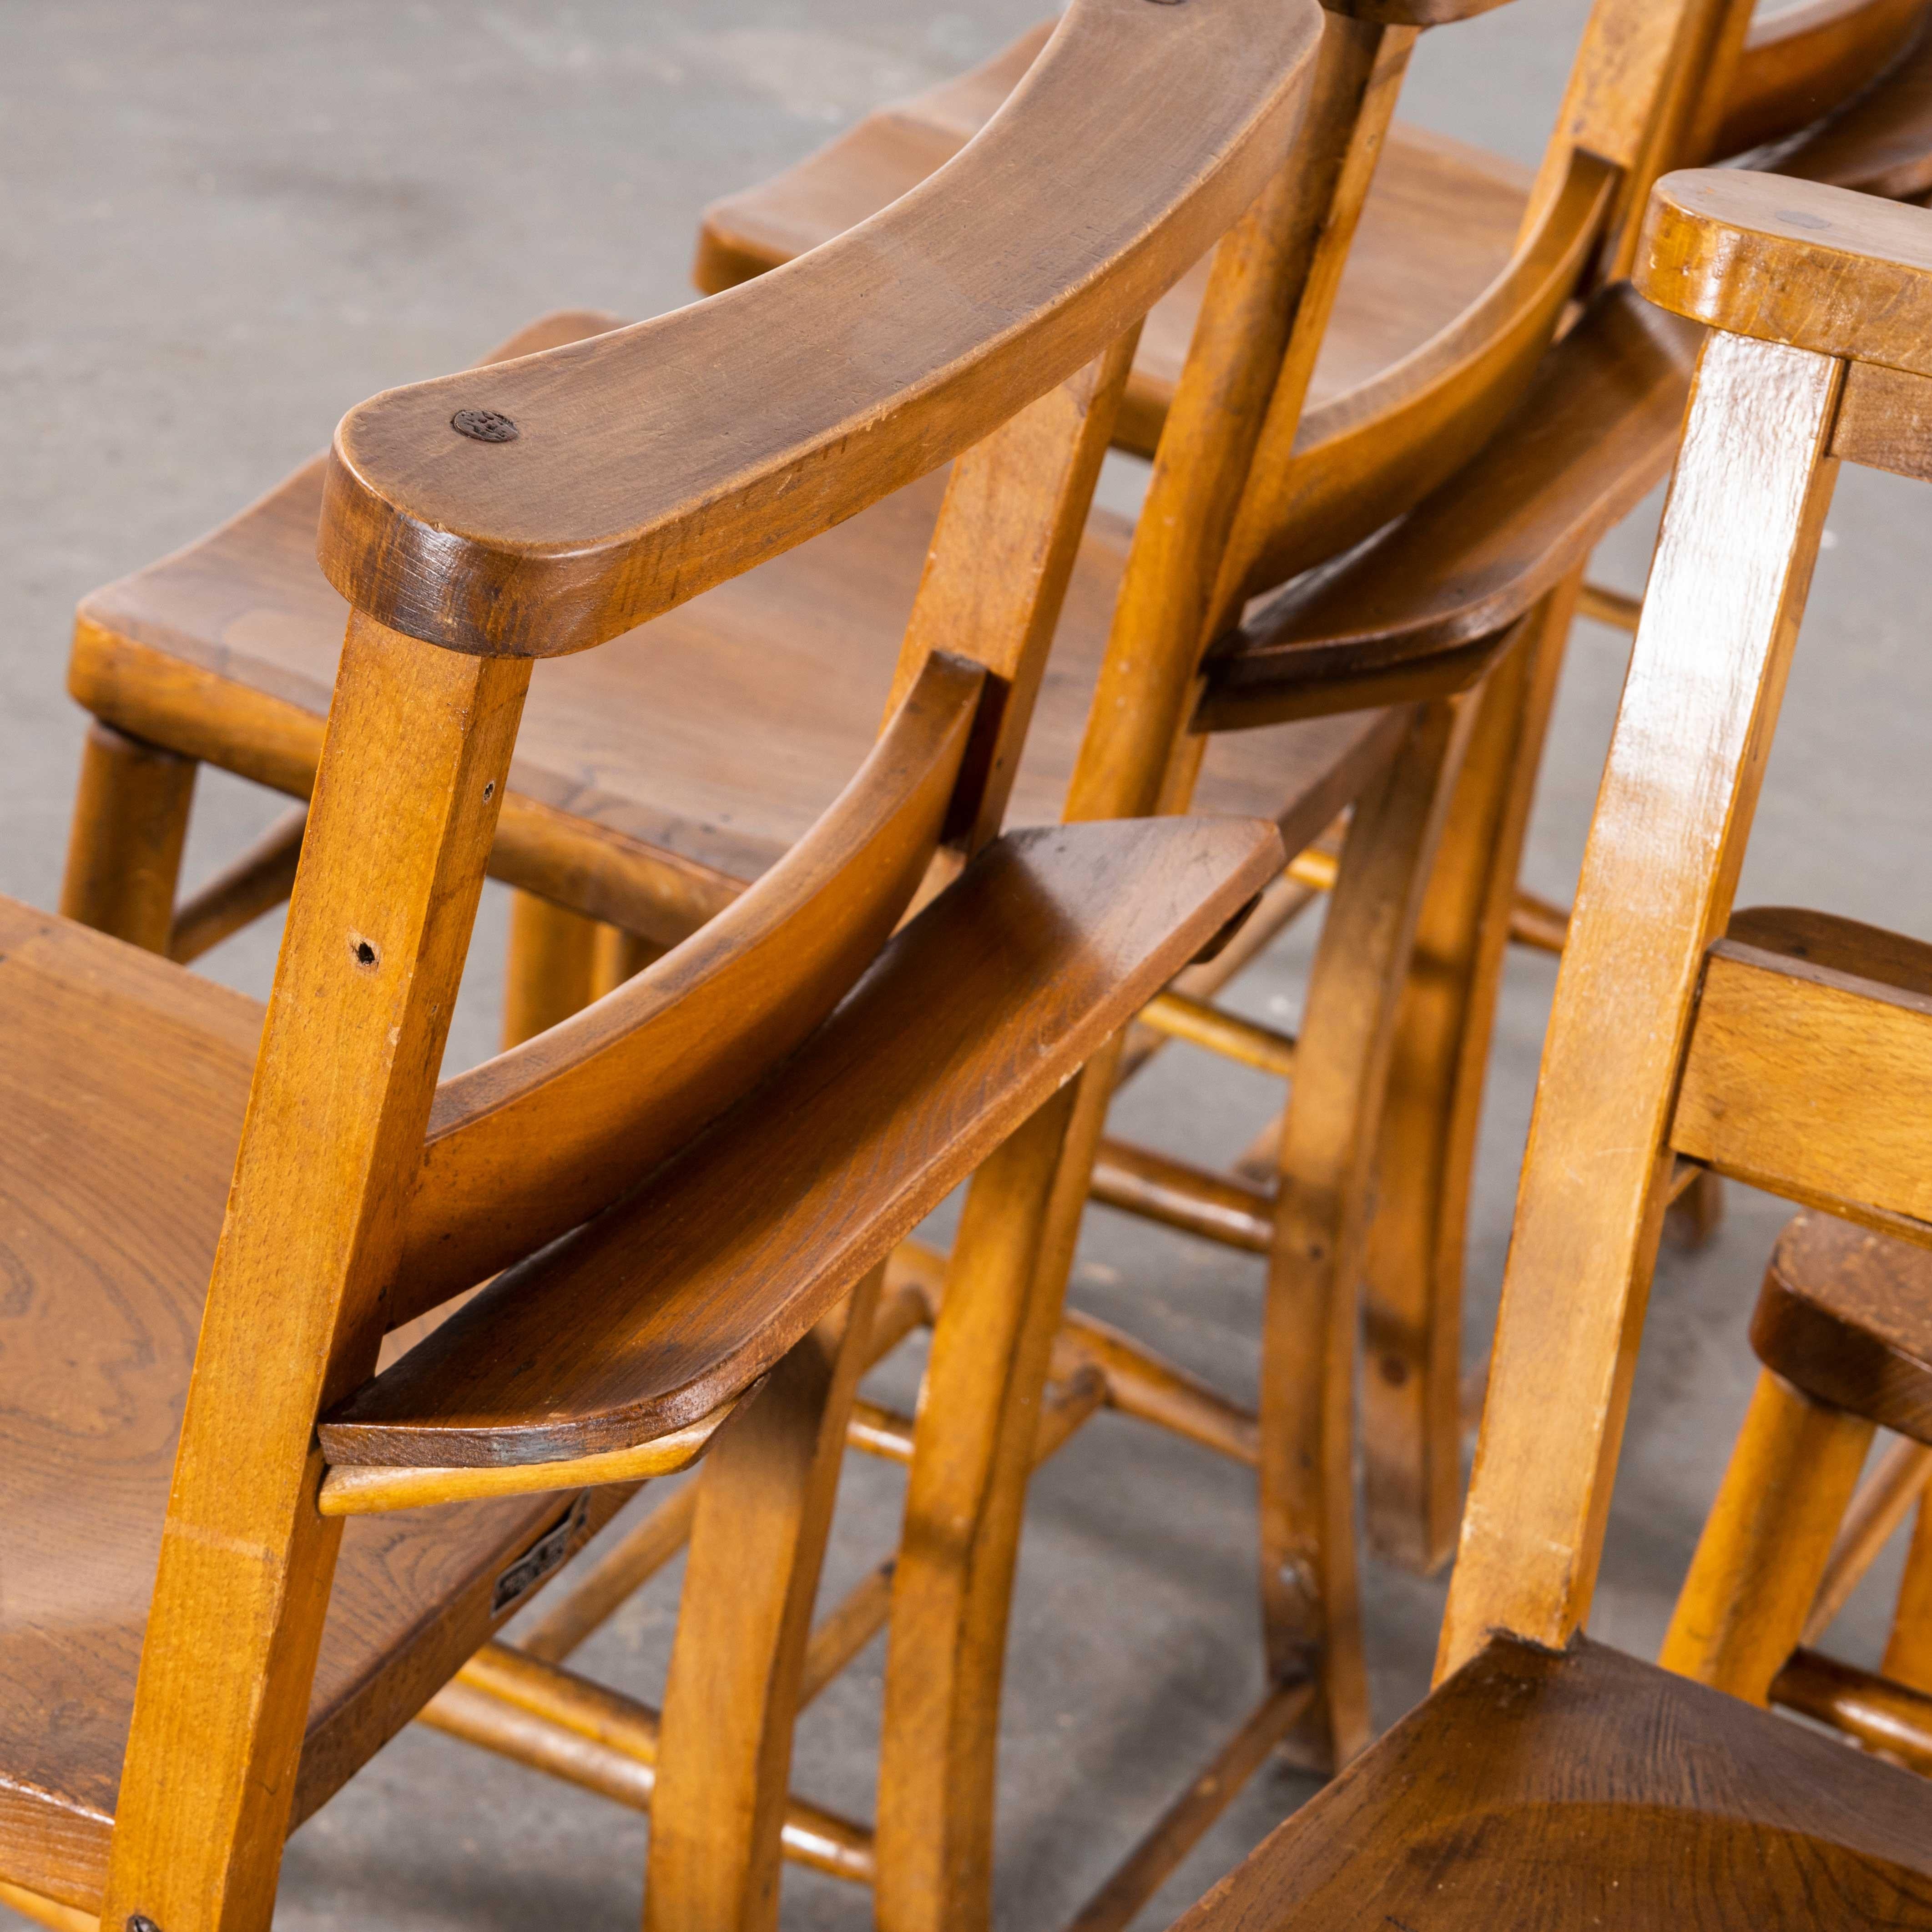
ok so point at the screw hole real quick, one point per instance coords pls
(365, 955)
(139, 1921)
(489, 788)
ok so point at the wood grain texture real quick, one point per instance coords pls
(124, 851)
(1800, 62)
(899, 1094)
(1719, 621)
(405, 805)
(1595, 431)
(117, 1248)
(627, 491)
(1762, 1551)
(1814, 267)
(522, 1149)
(229, 648)
(1583, 1788)
(1846, 1314)
(1438, 221)
(1813, 1046)
(1879, 143)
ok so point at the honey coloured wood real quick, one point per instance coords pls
(408, 778)
(1042, 951)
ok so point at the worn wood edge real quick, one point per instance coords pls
(371, 1489)
(1751, 254)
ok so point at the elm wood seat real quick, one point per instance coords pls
(227, 650)
(1583, 1788)
(113, 1176)
(1439, 221)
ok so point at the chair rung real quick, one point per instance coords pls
(553, 1720)
(1180, 1195)
(1147, 1866)
(850, 1624)
(255, 883)
(879, 1431)
(1617, 608)
(1537, 923)
(1882, 1716)
(1202, 1023)
(1139, 1383)
(1884, 1500)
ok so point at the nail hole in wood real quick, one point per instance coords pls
(139, 1921)
(365, 954)
(489, 788)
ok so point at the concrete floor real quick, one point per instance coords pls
(223, 223)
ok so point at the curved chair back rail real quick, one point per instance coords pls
(1438, 589)
(1369, 456)
(525, 1146)
(1799, 62)
(621, 489)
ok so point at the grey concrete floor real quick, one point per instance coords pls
(222, 224)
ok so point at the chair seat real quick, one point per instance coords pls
(1439, 221)
(1586, 1789)
(125, 1080)
(1846, 1314)
(762, 697)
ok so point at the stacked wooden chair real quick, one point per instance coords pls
(1836, 92)
(1407, 683)
(686, 1195)
(1548, 1779)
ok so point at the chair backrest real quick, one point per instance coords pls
(1796, 1054)
(540, 506)
(1249, 488)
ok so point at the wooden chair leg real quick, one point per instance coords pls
(1742, 1610)
(550, 971)
(1908, 1650)
(1412, 1315)
(1697, 1214)
(764, 1510)
(618, 956)
(1310, 1615)
(965, 1495)
(123, 853)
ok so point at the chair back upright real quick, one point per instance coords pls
(541, 506)
(1796, 1055)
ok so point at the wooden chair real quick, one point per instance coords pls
(221, 652)
(1427, 278)
(160, 1733)
(1548, 1779)
(212, 653)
